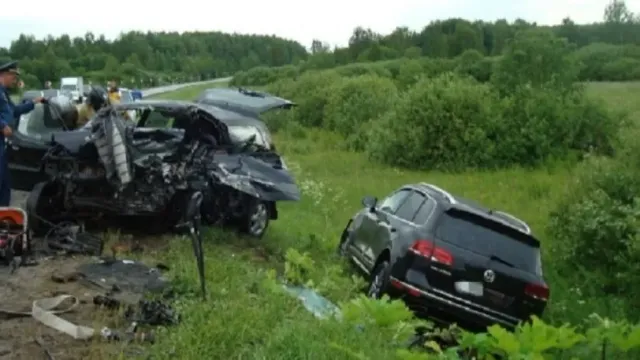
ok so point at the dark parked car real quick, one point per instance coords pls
(116, 167)
(448, 257)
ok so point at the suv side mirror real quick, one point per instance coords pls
(370, 202)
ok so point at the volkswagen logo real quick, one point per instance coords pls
(489, 276)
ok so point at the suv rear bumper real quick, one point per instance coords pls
(455, 306)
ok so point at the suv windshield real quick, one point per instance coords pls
(491, 239)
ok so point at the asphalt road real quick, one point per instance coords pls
(174, 87)
(18, 198)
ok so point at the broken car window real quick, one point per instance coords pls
(158, 120)
(33, 124)
(242, 134)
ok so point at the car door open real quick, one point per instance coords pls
(26, 147)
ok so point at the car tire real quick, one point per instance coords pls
(379, 280)
(344, 240)
(256, 220)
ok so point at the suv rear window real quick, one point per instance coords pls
(490, 238)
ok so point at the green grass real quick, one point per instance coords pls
(619, 95)
(246, 317)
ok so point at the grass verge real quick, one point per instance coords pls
(248, 317)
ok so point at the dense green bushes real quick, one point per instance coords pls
(437, 114)
(598, 62)
(596, 227)
(438, 123)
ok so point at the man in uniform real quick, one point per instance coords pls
(9, 74)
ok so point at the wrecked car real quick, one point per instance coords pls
(113, 167)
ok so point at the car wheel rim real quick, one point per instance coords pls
(258, 219)
(376, 285)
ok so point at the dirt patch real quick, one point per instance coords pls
(20, 289)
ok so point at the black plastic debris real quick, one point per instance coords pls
(153, 313)
(125, 275)
(107, 302)
(73, 239)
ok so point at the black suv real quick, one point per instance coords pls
(448, 256)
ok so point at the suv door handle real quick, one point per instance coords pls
(387, 225)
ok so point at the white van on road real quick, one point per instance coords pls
(74, 86)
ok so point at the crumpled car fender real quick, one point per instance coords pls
(255, 177)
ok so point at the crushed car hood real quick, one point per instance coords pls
(256, 176)
(260, 174)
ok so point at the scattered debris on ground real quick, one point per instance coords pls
(61, 291)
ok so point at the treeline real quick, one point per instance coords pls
(152, 58)
(148, 59)
(609, 50)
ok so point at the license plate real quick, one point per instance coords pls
(497, 297)
(470, 288)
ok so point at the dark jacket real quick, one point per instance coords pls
(10, 111)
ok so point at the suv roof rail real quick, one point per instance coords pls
(444, 193)
(525, 227)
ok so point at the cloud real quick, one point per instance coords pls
(330, 20)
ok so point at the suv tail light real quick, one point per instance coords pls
(537, 291)
(427, 249)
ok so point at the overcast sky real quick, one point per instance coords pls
(329, 20)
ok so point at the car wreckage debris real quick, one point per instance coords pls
(146, 312)
(124, 275)
(73, 239)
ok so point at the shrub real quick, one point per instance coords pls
(621, 69)
(596, 226)
(535, 58)
(440, 123)
(472, 62)
(409, 73)
(540, 123)
(601, 62)
(358, 69)
(311, 91)
(355, 102)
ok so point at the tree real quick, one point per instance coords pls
(319, 47)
